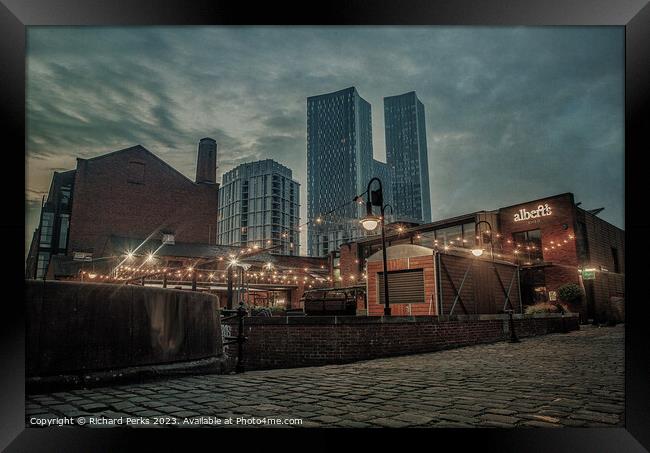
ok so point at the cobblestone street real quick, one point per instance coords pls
(574, 379)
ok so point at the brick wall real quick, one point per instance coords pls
(480, 291)
(559, 240)
(425, 307)
(350, 264)
(106, 203)
(556, 230)
(289, 342)
(608, 284)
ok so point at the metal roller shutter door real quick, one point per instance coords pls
(404, 287)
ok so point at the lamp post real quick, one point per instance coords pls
(229, 291)
(479, 251)
(370, 222)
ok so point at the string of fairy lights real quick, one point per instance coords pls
(127, 270)
(319, 219)
(521, 252)
(267, 273)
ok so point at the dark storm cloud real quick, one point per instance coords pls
(512, 113)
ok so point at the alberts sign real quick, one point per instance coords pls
(542, 210)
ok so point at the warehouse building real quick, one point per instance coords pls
(552, 241)
(128, 193)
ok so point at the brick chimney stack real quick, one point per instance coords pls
(206, 162)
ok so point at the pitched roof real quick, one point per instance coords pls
(119, 244)
(179, 249)
(140, 148)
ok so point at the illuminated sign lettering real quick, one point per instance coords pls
(541, 211)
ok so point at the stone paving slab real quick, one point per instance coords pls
(560, 380)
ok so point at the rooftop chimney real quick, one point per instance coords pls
(206, 162)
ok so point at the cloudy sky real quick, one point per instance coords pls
(512, 114)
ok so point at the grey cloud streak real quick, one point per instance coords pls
(512, 113)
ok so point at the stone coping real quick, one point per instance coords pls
(331, 320)
(208, 365)
(86, 285)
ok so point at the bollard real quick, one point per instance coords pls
(513, 335)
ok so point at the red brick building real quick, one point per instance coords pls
(127, 193)
(552, 240)
(129, 217)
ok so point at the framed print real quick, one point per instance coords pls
(375, 220)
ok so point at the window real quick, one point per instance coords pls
(41, 266)
(528, 245)
(457, 235)
(65, 195)
(469, 234)
(617, 267)
(404, 287)
(63, 231)
(450, 236)
(136, 172)
(47, 226)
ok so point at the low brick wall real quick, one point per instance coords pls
(77, 328)
(289, 342)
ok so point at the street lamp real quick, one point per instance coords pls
(370, 222)
(478, 249)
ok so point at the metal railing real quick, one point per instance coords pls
(239, 313)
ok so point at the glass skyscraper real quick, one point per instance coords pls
(406, 155)
(259, 206)
(339, 166)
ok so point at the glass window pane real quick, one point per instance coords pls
(63, 231)
(450, 236)
(46, 229)
(528, 245)
(469, 234)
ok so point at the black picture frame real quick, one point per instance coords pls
(634, 15)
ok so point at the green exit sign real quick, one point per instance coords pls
(589, 275)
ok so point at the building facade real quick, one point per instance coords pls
(51, 236)
(407, 156)
(339, 166)
(552, 240)
(129, 193)
(259, 206)
(427, 281)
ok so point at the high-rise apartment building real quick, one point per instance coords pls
(259, 206)
(406, 155)
(339, 166)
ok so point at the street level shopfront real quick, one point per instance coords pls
(552, 240)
